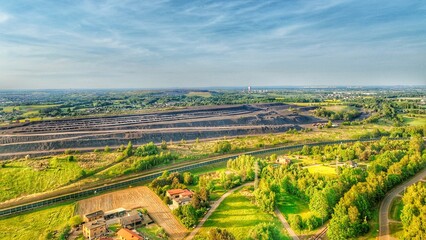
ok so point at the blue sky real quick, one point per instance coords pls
(150, 44)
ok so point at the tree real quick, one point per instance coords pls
(306, 150)
(220, 234)
(296, 221)
(195, 201)
(413, 214)
(129, 150)
(265, 231)
(75, 220)
(107, 149)
(222, 147)
(164, 145)
(319, 205)
(161, 233)
(187, 178)
(167, 200)
(417, 144)
(148, 149)
(204, 194)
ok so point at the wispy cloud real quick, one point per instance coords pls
(4, 17)
(156, 43)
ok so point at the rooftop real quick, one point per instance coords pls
(95, 224)
(95, 214)
(113, 211)
(129, 235)
(175, 191)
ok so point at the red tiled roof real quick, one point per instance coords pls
(175, 191)
(128, 235)
(186, 193)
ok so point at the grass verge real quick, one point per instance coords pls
(238, 215)
(46, 223)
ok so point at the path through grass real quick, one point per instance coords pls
(238, 215)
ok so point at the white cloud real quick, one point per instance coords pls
(4, 17)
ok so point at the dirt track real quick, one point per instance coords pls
(139, 197)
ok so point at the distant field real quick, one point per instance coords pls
(37, 225)
(324, 170)
(336, 108)
(199, 94)
(415, 121)
(238, 215)
(28, 108)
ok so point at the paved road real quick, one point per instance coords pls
(287, 227)
(384, 233)
(212, 209)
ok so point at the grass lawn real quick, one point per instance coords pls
(396, 208)
(238, 215)
(415, 121)
(18, 178)
(289, 204)
(199, 94)
(38, 224)
(149, 232)
(324, 170)
(114, 227)
(23, 177)
(396, 230)
(210, 168)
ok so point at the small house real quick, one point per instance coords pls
(352, 164)
(131, 219)
(118, 212)
(283, 160)
(94, 229)
(93, 216)
(179, 193)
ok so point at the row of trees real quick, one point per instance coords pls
(362, 151)
(346, 114)
(413, 214)
(391, 168)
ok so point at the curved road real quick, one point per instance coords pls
(384, 233)
(213, 208)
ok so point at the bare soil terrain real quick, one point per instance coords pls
(189, 124)
(139, 197)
